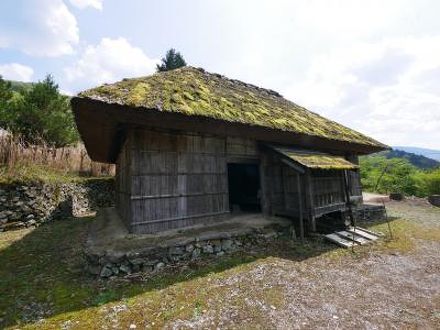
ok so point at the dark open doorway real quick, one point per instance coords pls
(244, 186)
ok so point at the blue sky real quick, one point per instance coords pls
(373, 66)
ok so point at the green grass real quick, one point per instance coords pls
(42, 276)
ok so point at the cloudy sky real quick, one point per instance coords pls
(371, 65)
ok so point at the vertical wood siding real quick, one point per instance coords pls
(180, 180)
(123, 182)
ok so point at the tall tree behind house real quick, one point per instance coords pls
(171, 61)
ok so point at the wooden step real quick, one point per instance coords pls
(340, 240)
(363, 233)
(353, 237)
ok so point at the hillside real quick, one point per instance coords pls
(19, 86)
(418, 161)
(430, 153)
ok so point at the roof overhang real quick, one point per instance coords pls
(102, 127)
(309, 159)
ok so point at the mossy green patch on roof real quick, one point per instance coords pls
(195, 92)
(315, 160)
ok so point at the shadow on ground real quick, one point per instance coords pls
(42, 271)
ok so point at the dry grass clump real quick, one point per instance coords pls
(20, 160)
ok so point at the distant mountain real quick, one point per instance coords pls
(418, 161)
(430, 153)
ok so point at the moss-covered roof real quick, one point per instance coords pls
(195, 92)
(316, 160)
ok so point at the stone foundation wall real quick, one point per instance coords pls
(117, 264)
(33, 204)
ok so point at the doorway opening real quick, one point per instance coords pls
(244, 187)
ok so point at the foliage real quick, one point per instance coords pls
(40, 113)
(379, 174)
(171, 61)
(5, 99)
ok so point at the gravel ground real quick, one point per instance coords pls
(375, 291)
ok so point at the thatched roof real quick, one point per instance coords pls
(195, 94)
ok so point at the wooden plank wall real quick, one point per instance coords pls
(328, 188)
(123, 183)
(180, 180)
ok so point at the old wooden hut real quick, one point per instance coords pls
(193, 147)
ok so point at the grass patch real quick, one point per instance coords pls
(403, 235)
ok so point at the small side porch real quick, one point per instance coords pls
(314, 189)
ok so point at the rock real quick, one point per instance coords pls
(147, 268)
(217, 244)
(176, 250)
(189, 248)
(115, 257)
(227, 245)
(137, 261)
(125, 269)
(31, 223)
(115, 270)
(208, 249)
(273, 234)
(220, 253)
(159, 265)
(106, 271)
(195, 254)
(94, 269)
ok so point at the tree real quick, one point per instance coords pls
(171, 61)
(42, 113)
(5, 99)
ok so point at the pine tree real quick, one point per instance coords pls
(171, 61)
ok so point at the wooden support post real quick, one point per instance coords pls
(264, 186)
(309, 192)
(300, 207)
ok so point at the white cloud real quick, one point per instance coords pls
(16, 71)
(110, 60)
(45, 28)
(387, 89)
(81, 4)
